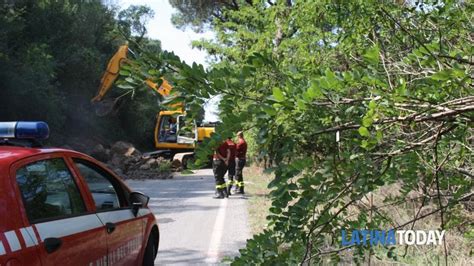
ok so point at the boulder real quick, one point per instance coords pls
(121, 147)
(100, 153)
(128, 162)
(144, 167)
(116, 160)
(176, 163)
(152, 162)
(132, 151)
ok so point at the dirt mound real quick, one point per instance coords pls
(128, 162)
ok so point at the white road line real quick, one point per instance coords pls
(13, 241)
(217, 232)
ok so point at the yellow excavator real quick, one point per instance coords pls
(173, 140)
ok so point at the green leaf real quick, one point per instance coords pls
(350, 109)
(372, 55)
(331, 78)
(292, 186)
(379, 182)
(354, 156)
(401, 90)
(314, 91)
(301, 104)
(442, 75)
(125, 86)
(364, 132)
(364, 144)
(278, 94)
(379, 136)
(367, 121)
(124, 73)
(372, 104)
(269, 110)
(130, 80)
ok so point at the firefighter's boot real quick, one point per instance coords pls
(219, 194)
(240, 189)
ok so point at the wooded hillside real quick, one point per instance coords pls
(52, 55)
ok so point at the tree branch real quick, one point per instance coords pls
(436, 174)
(345, 101)
(408, 32)
(465, 172)
(416, 144)
(326, 209)
(214, 14)
(235, 4)
(410, 118)
(460, 60)
(435, 211)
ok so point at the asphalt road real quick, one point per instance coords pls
(194, 227)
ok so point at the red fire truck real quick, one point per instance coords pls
(61, 207)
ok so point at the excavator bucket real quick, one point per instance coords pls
(105, 107)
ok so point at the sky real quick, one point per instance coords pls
(173, 39)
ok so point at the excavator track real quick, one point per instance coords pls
(185, 158)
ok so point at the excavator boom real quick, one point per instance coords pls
(112, 73)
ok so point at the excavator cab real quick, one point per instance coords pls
(173, 129)
(168, 129)
(172, 133)
(187, 134)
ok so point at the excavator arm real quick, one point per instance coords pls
(112, 73)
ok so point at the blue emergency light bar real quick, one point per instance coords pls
(24, 130)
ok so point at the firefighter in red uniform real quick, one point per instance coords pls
(231, 164)
(219, 167)
(241, 153)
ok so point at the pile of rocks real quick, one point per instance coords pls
(128, 162)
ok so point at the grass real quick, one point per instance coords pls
(187, 172)
(256, 183)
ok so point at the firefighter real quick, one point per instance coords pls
(219, 167)
(241, 153)
(231, 164)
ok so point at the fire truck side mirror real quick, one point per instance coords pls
(138, 200)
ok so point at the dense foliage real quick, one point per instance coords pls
(391, 80)
(52, 55)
